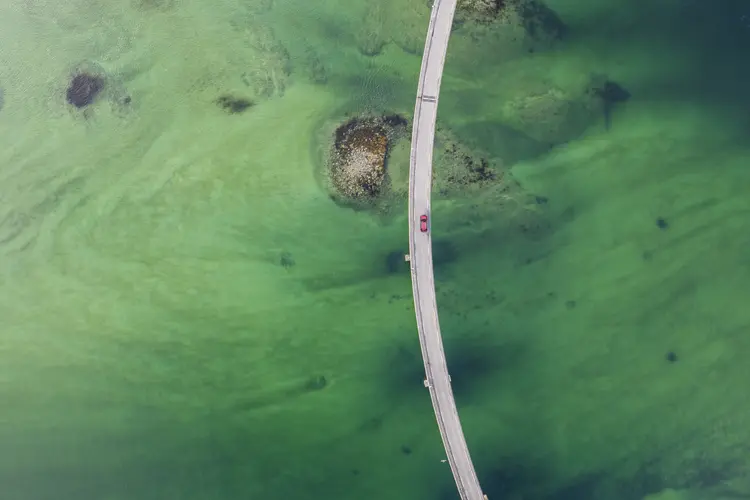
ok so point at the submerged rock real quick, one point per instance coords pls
(233, 105)
(315, 67)
(501, 141)
(286, 260)
(458, 168)
(539, 21)
(552, 114)
(83, 89)
(316, 383)
(610, 93)
(470, 174)
(89, 82)
(483, 11)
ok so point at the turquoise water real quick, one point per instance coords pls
(187, 315)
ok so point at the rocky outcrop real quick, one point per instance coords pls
(460, 169)
(539, 21)
(358, 171)
(483, 11)
(469, 175)
(358, 162)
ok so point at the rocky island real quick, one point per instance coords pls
(357, 167)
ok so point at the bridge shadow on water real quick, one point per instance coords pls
(444, 252)
(472, 363)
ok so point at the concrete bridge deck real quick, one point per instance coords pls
(420, 252)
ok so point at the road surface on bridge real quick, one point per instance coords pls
(420, 252)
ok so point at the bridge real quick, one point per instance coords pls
(420, 252)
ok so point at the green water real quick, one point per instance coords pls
(185, 314)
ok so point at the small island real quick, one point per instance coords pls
(357, 167)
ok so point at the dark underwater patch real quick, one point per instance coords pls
(395, 262)
(611, 94)
(501, 141)
(472, 361)
(444, 252)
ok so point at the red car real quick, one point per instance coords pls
(423, 223)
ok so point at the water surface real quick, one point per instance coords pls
(186, 314)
